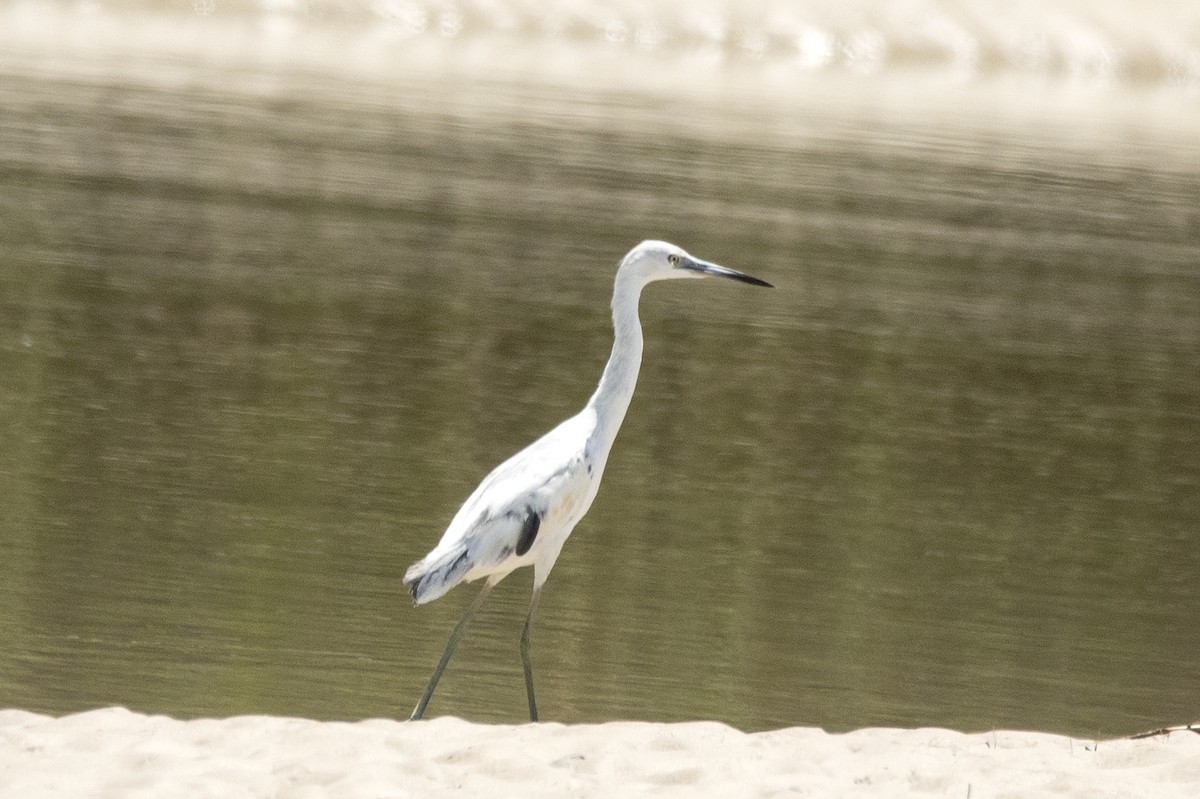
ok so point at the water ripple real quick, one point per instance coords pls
(1148, 43)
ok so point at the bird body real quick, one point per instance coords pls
(524, 510)
(550, 481)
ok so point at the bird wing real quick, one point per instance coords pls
(536, 480)
(540, 490)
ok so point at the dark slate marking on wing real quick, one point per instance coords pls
(529, 531)
(447, 572)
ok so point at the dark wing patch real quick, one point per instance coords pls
(529, 531)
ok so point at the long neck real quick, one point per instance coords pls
(612, 396)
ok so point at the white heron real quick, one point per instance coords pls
(522, 513)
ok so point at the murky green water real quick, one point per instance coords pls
(260, 338)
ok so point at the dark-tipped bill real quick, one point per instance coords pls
(705, 268)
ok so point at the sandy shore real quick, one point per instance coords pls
(116, 753)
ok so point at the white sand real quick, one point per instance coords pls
(116, 753)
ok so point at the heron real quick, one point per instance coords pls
(523, 511)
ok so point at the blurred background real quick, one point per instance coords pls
(281, 281)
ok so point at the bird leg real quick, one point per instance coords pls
(419, 710)
(533, 714)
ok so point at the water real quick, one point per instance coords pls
(280, 284)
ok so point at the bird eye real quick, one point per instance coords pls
(673, 259)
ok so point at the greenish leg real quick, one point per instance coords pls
(533, 714)
(419, 710)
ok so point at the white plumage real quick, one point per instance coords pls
(550, 481)
(522, 513)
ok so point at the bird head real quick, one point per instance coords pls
(661, 260)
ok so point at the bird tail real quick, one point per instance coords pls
(429, 578)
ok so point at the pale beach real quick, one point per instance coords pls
(116, 753)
